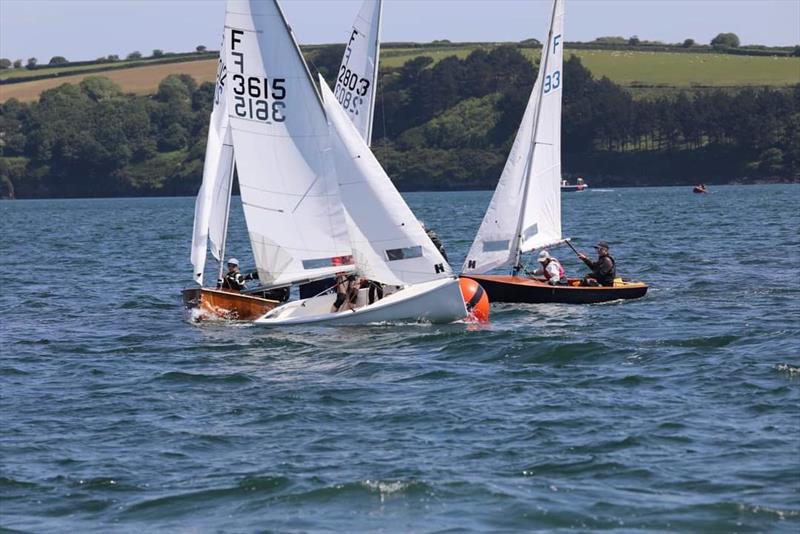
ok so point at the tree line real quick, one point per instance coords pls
(445, 125)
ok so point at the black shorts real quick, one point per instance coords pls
(340, 298)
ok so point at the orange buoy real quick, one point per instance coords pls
(475, 298)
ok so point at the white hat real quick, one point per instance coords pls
(233, 261)
(544, 255)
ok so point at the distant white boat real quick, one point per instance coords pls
(577, 187)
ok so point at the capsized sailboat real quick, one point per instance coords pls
(315, 198)
(525, 211)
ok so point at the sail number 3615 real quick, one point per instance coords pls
(252, 94)
(552, 81)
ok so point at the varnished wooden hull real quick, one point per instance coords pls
(529, 290)
(227, 304)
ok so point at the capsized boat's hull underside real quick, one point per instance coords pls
(439, 301)
(217, 303)
(532, 291)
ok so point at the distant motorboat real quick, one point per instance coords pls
(700, 188)
(580, 185)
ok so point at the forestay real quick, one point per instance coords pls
(525, 211)
(213, 198)
(355, 80)
(389, 244)
(291, 200)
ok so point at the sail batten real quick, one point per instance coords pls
(525, 210)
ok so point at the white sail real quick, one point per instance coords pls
(355, 81)
(282, 145)
(525, 211)
(220, 209)
(389, 244)
(211, 205)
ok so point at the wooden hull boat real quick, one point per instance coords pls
(534, 291)
(222, 304)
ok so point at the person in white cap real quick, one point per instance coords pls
(551, 269)
(234, 280)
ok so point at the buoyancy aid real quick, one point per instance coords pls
(561, 274)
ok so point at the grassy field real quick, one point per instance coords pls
(139, 80)
(644, 73)
(25, 73)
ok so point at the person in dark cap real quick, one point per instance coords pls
(603, 270)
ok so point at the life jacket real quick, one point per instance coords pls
(233, 280)
(608, 280)
(561, 273)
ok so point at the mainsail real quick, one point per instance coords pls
(355, 81)
(291, 200)
(389, 244)
(213, 198)
(525, 211)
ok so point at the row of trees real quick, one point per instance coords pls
(447, 125)
(56, 61)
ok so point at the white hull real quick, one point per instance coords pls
(439, 301)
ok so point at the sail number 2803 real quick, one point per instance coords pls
(349, 90)
(256, 99)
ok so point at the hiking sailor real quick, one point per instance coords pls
(433, 236)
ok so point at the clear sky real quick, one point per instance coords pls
(87, 29)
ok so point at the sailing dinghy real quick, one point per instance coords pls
(316, 200)
(525, 211)
(212, 210)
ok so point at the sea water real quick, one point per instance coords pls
(676, 412)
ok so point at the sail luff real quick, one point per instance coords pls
(529, 166)
(374, 93)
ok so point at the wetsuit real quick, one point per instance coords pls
(603, 270)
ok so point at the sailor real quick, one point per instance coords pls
(551, 269)
(347, 287)
(603, 270)
(235, 280)
(436, 241)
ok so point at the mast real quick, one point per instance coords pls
(371, 118)
(529, 165)
(227, 218)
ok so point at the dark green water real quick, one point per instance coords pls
(678, 412)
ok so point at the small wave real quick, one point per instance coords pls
(12, 371)
(790, 370)
(180, 376)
